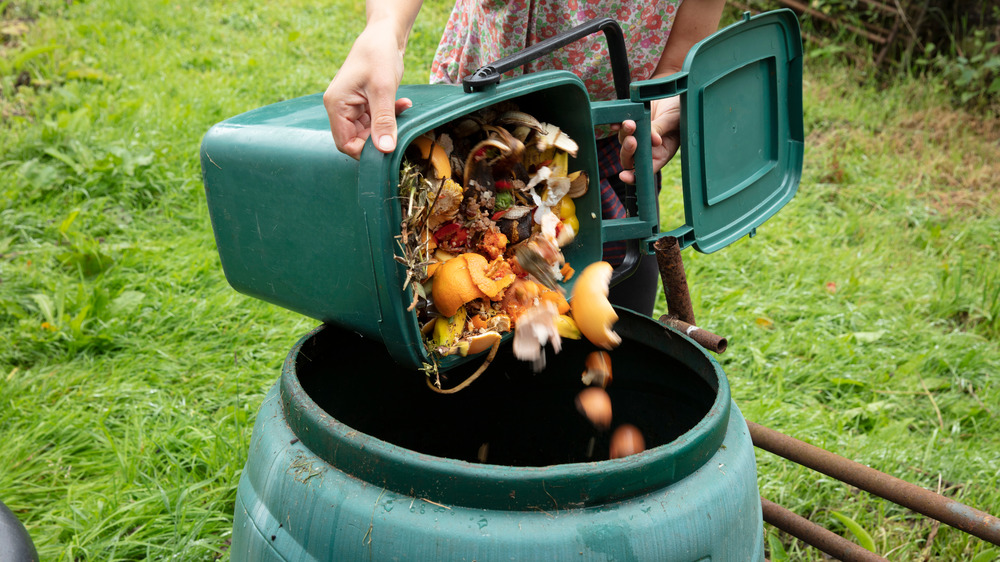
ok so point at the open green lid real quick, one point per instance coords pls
(741, 127)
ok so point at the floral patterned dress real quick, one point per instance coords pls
(482, 31)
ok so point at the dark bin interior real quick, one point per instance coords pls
(526, 418)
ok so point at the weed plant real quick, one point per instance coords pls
(863, 318)
(952, 45)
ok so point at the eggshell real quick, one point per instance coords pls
(594, 403)
(626, 440)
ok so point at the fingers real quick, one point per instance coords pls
(626, 135)
(351, 123)
(627, 176)
(664, 138)
(626, 129)
(627, 155)
(382, 106)
(383, 127)
(348, 119)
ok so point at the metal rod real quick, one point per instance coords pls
(815, 535)
(901, 492)
(675, 286)
(706, 339)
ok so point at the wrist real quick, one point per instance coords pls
(392, 18)
(664, 71)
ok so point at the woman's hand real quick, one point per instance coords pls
(665, 122)
(361, 99)
(695, 20)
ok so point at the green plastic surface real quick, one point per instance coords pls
(741, 127)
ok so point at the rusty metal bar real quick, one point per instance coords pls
(706, 339)
(680, 311)
(901, 492)
(815, 535)
(675, 286)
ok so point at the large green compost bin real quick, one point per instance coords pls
(353, 459)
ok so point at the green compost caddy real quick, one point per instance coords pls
(349, 460)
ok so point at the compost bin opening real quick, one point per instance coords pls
(524, 418)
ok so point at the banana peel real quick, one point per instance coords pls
(448, 330)
(567, 328)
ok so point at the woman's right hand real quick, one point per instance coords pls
(361, 100)
(665, 121)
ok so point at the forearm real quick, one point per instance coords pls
(695, 20)
(398, 15)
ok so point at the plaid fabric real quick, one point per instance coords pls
(613, 196)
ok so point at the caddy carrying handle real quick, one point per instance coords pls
(490, 74)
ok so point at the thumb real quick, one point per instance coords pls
(383, 127)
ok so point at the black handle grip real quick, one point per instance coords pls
(629, 264)
(490, 74)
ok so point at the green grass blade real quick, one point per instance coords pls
(777, 550)
(988, 555)
(859, 532)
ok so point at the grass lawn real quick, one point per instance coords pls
(864, 318)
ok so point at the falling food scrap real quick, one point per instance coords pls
(598, 370)
(595, 404)
(626, 440)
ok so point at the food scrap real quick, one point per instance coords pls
(488, 204)
(626, 440)
(594, 403)
(598, 369)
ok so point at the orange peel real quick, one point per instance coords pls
(452, 286)
(592, 311)
(478, 322)
(567, 272)
(464, 278)
(434, 153)
(556, 298)
(478, 266)
(441, 256)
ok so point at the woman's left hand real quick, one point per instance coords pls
(665, 122)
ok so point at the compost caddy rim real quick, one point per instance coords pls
(448, 481)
